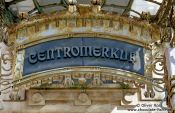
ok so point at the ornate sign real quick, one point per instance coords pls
(85, 51)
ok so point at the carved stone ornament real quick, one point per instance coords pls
(14, 96)
(36, 99)
(83, 99)
(127, 93)
(72, 2)
(96, 2)
(68, 82)
(72, 8)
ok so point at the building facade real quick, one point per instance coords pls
(94, 56)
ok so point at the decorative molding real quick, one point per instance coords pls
(73, 78)
(87, 98)
(83, 23)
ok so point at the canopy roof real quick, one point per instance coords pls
(124, 7)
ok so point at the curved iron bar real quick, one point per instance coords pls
(13, 2)
(135, 12)
(158, 3)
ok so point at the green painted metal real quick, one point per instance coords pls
(128, 7)
(13, 2)
(40, 10)
(6, 15)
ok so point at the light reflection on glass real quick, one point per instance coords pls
(144, 6)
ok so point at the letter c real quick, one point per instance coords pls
(33, 58)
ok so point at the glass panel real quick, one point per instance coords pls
(53, 9)
(8, 0)
(46, 2)
(133, 14)
(138, 5)
(117, 2)
(84, 1)
(113, 9)
(144, 6)
(23, 6)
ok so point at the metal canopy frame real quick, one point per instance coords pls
(64, 3)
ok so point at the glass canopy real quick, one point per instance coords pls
(123, 7)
